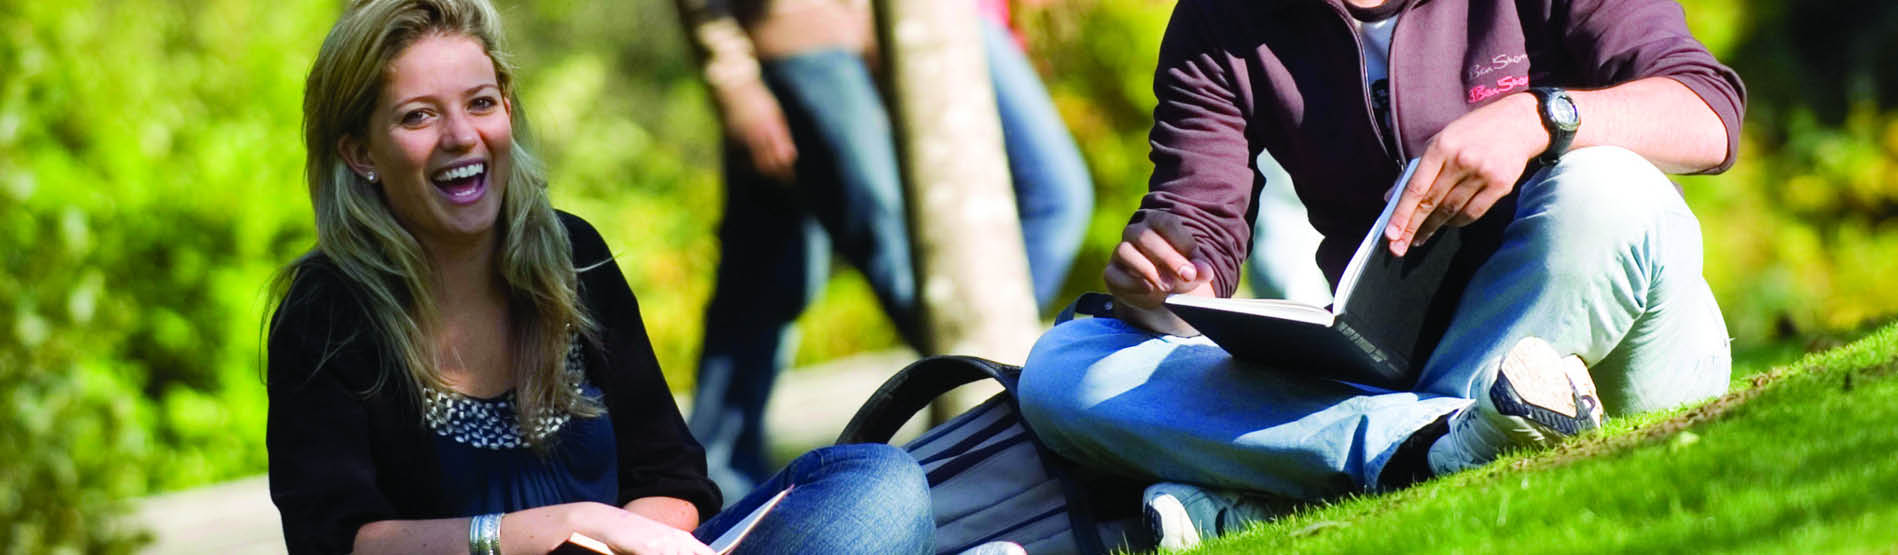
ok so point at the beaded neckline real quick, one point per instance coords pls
(491, 423)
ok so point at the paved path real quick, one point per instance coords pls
(807, 410)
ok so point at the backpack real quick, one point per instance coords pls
(990, 478)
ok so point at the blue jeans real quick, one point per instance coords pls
(776, 240)
(1054, 194)
(848, 194)
(1602, 259)
(866, 498)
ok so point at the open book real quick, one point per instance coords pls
(1385, 318)
(581, 544)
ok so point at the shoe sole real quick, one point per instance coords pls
(1563, 401)
(1166, 518)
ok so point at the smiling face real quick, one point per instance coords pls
(438, 141)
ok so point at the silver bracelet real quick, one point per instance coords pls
(484, 534)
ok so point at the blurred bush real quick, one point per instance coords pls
(150, 184)
(1097, 57)
(148, 171)
(1803, 235)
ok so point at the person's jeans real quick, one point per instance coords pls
(773, 237)
(1603, 259)
(1053, 193)
(866, 498)
(774, 252)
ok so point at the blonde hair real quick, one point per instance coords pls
(361, 237)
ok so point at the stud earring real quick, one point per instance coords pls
(371, 176)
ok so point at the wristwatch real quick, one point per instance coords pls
(1560, 117)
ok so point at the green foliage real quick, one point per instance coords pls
(77, 430)
(1097, 57)
(1800, 236)
(149, 162)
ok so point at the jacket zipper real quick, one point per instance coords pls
(1364, 86)
(1390, 77)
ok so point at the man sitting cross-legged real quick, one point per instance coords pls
(1556, 120)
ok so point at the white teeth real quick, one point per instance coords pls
(461, 172)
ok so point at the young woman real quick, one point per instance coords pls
(458, 367)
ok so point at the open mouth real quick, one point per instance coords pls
(462, 184)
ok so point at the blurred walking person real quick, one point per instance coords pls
(811, 166)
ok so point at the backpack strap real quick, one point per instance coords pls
(1092, 304)
(923, 381)
(913, 388)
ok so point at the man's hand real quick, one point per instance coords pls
(1474, 162)
(1156, 257)
(753, 117)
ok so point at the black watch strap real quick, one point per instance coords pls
(1559, 117)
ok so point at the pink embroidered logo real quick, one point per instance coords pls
(1505, 84)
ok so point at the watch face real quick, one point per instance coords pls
(1562, 111)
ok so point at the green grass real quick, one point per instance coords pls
(1799, 458)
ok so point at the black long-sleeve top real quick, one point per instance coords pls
(344, 452)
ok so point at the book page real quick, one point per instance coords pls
(1270, 308)
(582, 544)
(1372, 241)
(729, 540)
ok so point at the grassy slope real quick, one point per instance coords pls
(1799, 458)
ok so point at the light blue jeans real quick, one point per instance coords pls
(1053, 193)
(1603, 259)
(866, 498)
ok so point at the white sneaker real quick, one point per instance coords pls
(1179, 515)
(1540, 397)
(996, 548)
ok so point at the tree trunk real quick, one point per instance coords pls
(972, 270)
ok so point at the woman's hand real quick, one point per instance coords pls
(536, 531)
(542, 529)
(631, 533)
